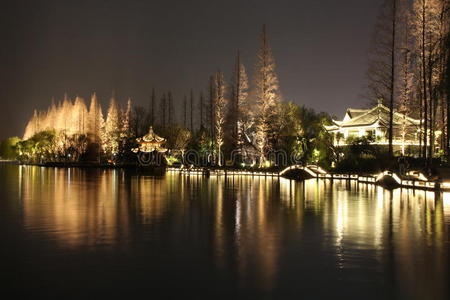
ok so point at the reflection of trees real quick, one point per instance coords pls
(403, 230)
(87, 207)
(246, 224)
(66, 206)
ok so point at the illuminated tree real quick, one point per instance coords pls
(267, 97)
(241, 117)
(125, 120)
(185, 111)
(79, 116)
(429, 26)
(96, 123)
(220, 107)
(110, 140)
(201, 105)
(8, 148)
(210, 113)
(405, 76)
(192, 110)
(446, 84)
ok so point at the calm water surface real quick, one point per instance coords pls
(74, 233)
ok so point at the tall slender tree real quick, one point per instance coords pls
(163, 109)
(125, 121)
(405, 80)
(152, 109)
(201, 108)
(446, 84)
(192, 110)
(185, 111)
(111, 136)
(425, 27)
(392, 83)
(383, 56)
(170, 108)
(220, 107)
(267, 97)
(240, 110)
(95, 119)
(211, 106)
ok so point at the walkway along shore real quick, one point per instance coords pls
(388, 179)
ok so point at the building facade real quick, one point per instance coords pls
(374, 124)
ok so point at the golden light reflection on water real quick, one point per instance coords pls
(247, 219)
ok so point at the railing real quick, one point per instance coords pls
(420, 181)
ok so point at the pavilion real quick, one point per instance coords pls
(150, 142)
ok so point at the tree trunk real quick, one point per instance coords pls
(185, 112)
(192, 111)
(424, 82)
(391, 102)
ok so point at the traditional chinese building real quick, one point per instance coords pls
(374, 123)
(150, 143)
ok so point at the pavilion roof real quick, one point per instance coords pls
(367, 117)
(151, 137)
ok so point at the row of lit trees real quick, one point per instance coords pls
(233, 116)
(250, 114)
(242, 116)
(409, 67)
(69, 126)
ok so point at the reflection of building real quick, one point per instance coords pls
(374, 123)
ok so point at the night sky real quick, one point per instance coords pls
(52, 47)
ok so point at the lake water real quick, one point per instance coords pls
(88, 233)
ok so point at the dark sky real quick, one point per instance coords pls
(52, 47)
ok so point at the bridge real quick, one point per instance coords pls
(311, 171)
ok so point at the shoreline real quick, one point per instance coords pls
(386, 179)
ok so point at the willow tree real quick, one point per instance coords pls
(267, 97)
(219, 113)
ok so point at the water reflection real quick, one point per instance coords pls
(256, 229)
